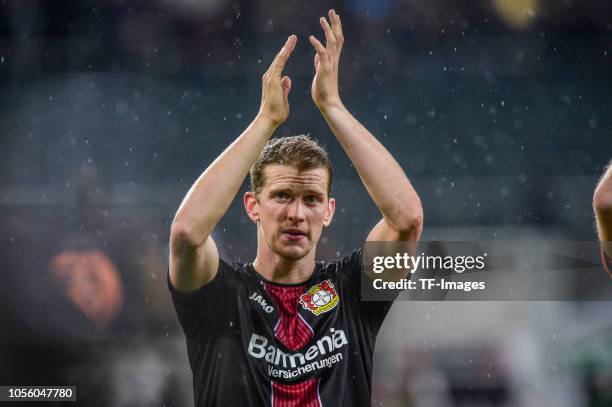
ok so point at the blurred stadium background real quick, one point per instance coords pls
(498, 110)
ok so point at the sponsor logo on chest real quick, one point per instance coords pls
(262, 302)
(324, 353)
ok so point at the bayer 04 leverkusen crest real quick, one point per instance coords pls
(320, 298)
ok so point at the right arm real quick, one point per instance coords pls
(602, 204)
(194, 258)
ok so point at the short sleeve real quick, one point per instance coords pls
(350, 272)
(204, 307)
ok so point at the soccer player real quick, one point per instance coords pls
(602, 203)
(285, 330)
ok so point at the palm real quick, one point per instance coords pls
(278, 103)
(316, 91)
(324, 88)
(276, 87)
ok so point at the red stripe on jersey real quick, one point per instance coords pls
(304, 394)
(292, 331)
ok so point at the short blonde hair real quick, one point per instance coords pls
(301, 152)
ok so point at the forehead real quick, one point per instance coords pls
(287, 176)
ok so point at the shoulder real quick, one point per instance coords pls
(348, 264)
(347, 260)
(229, 276)
(236, 273)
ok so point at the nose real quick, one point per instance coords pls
(295, 211)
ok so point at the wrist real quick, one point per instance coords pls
(327, 107)
(267, 121)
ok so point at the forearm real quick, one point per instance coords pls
(602, 203)
(382, 176)
(212, 193)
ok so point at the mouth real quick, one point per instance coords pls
(294, 234)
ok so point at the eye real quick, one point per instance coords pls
(281, 196)
(311, 199)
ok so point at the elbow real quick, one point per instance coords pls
(413, 227)
(410, 225)
(182, 235)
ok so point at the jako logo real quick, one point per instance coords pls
(261, 301)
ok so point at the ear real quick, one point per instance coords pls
(251, 205)
(329, 212)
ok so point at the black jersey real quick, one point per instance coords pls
(252, 342)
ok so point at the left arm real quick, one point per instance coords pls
(602, 204)
(382, 176)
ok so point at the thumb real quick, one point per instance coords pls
(316, 61)
(286, 85)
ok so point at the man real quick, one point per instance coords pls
(602, 203)
(284, 330)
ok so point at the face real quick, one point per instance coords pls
(292, 209)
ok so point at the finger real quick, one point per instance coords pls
(276, 58)
(286, 84)
(279, 63)
(274, 61)
(336, 26)
(329, 34)
(319, 48)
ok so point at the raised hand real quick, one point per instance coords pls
(275, 87)
(325, 83)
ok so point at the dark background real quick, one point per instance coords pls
(498, 111)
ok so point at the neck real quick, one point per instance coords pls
(278, 269)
